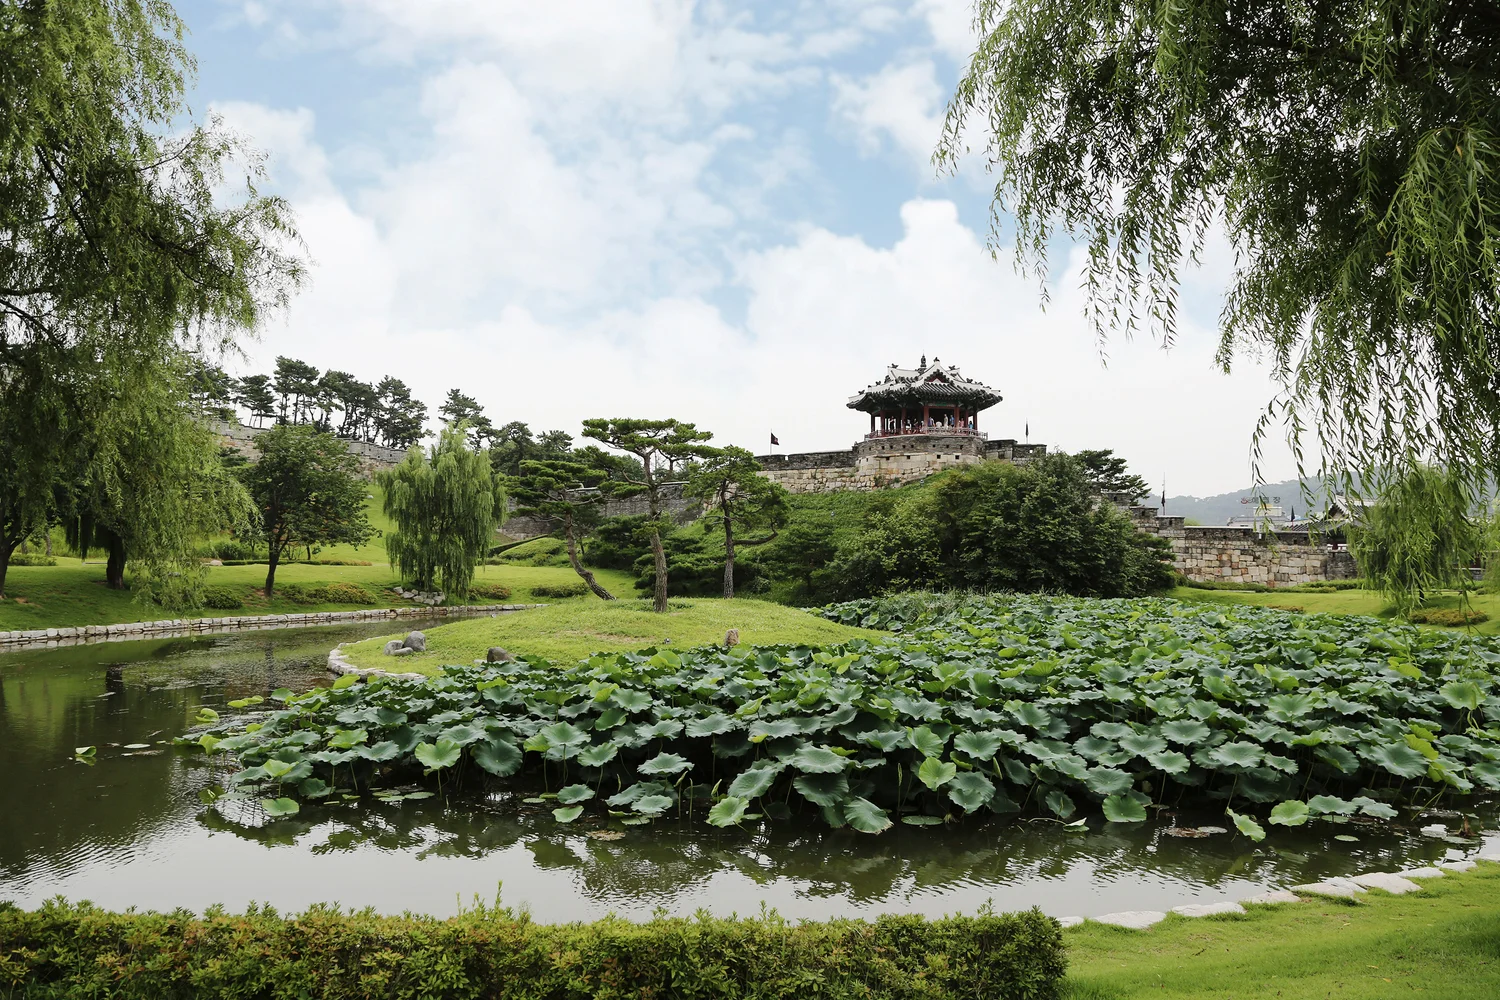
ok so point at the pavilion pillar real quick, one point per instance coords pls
(872, 423)
(926, 415)
(902, 428)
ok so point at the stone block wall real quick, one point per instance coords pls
(877, 463)
(372, 457)
(1211, 554)
(681, 509)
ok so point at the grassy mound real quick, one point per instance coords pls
(569, 632)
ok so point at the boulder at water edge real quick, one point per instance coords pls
(393, 647)
(497, 654)
(417, 642)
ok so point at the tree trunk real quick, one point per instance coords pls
(271, 570)
(6, 548)
(728, 557)
(659, 554)
(114, 568)
(579, 568)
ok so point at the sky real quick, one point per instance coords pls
(723, 212)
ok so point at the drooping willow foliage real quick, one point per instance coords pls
(1418, 538)
(446, 507)
(1348, 149)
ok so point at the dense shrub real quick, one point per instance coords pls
(222, 598)
(64, 950)
(997, 526)
(1451, 617)
(230, 549)
(489, 591)
(325, 593)
(1252, 588)
(559, 590)
(32, 559)
(617, 543)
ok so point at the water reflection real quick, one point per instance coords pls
(129, 830)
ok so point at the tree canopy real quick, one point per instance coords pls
(1347, 149)
(566, 497)
(1419, 537)
(446, 506)
(736, 495)
(307, 488)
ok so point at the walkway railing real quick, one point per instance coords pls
(933, 429)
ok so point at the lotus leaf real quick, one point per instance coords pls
(822, 789)
(1060, 803)
(1185, 731)
(1399, 760)
(1290, 813)
(1370, 807)
(346, 739)
(728, 811)
(925, 741)
(665, 763)
(599, 754)
(652, 805)
(1031, 716)
(498, 757)
(1172, 762)
(1111, 730)
(631, 701)
(1123, 809)
(1247, 826)
(970, 790)
(979, 746)
(1105, 781)
(1462, 694)
(865, 816)
(756, 781)
(1236, 755)
(818, 760)
(1143, 744)
(574, 794)
(280, 808)
(435, 756)
(711, 725)
(935, 773)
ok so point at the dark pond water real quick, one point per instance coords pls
(129, 830)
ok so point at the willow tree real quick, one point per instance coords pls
(119, 239)
(737, 496)
(1418, 537)
(657, 445)
(446, 506)
(1346, 148)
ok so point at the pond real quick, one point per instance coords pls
(129, 830)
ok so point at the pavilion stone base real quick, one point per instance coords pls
(877, 463)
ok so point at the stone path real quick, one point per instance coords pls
(1396, 883)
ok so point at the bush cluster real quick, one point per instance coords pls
(490, 591)
(68, 950)
(559, 590)
(325, 593)
(1451, 617)
(32, 559)
(222, 598)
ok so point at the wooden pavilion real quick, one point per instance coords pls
(928, 399)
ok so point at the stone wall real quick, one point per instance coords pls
(1243, 555)
(372, 457)
(876, 463)
(681, 509)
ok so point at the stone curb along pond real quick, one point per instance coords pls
(188, 626)
(1395, 883)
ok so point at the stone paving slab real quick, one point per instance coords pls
(1424, 872)
(1136, 920)
(1456, 866)
(1070, 921)
(1388, 881)
(1340, 888)
(1207, 909)
(1274, 896)
(1490, 856)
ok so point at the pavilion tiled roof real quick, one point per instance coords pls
(935, 384)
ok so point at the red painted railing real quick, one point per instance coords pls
(934, 429)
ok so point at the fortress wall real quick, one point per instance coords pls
(1243, 555)
(372, 457)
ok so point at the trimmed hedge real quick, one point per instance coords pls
(75, 950)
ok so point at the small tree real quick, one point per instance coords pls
(399, 419)
(654, 443)
(1109, 474)
(446, 507)
(307, 489)
(1418, 537)
(565, 496)
(255, 394)
(735, 494)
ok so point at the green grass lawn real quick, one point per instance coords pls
(1442, 942)
(1343, 602)
(572, 630)
(70, 594)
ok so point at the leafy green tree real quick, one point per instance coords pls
(446, 507)
(735, 494)
(801, 556)
(458, 408)
(1109, 474)
(153, 487)
(554, 444)
(296, 385)
(512, 445)
(655, 444)
(998, 526)
(1418, 537)
(306, 486)
(255, 394)
(400, 419)
(1347, 148)
(566, 497)
(117, 234)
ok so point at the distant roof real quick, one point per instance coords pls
(935, 383)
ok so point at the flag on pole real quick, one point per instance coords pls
(1028, 432)
(774, 442)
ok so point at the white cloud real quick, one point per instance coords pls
(951, 24)
(899, 103)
